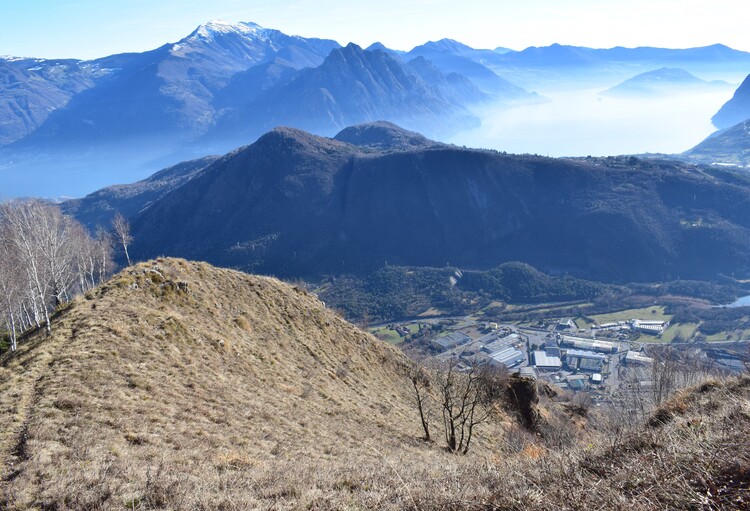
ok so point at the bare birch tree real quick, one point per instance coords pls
(121, 228)
(11, 290)
(45, 259)
(104, 257)
(21, 220)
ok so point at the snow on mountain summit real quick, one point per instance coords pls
(221, 32)
(220, 27)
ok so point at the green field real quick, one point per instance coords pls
(387, 335)
(582, 324)
(413, 327)
(651, 313)
(734, 335)
(685, 330)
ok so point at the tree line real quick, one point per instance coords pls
(47, 258)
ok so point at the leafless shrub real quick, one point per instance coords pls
(462, 395)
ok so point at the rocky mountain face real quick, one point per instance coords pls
(169, 93)
(737, 109)
(32, 88)
(353, 86)
(297, 204)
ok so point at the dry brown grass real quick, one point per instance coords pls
(198, 388)
(218, 386)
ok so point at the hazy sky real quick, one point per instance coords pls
(95, 28)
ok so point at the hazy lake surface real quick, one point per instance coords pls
(582, 122)
(740, 302)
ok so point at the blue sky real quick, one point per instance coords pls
(95, 28)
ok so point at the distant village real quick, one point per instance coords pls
(569, 361)
(601, 360)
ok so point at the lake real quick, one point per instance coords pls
(582, 123)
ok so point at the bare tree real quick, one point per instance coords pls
(85, 258)
(11, 290)
(23, 234)
(57, 240)
(121, 228)
(465, 399)
(104, 244)
(45, 259)
(420, 381)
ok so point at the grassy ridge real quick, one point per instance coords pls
(181, 386)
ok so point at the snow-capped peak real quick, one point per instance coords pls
(215, 27)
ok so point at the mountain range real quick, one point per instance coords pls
(68, 127)
(730, 145)
(663, 82)
(221, 86)
(296, 204)
(576, 66)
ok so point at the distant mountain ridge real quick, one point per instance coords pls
(222, 86)
(97, 209)
(727, 147)
(71, 126)
(663, 81)
(169, 92)
(32, 88)
(538, 67)
(736, 109)
(352, 86)
(296, 204)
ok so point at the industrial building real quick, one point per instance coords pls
(493, 343)
(583, 343)
(585, 360)
(450, 341)
(509, 357)
(650, 327)
(567, 324)
(528, 372)
(546, 363)
(633, 357)
(576, 382)
(553, 352)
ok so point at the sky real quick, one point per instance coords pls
(95, 28)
